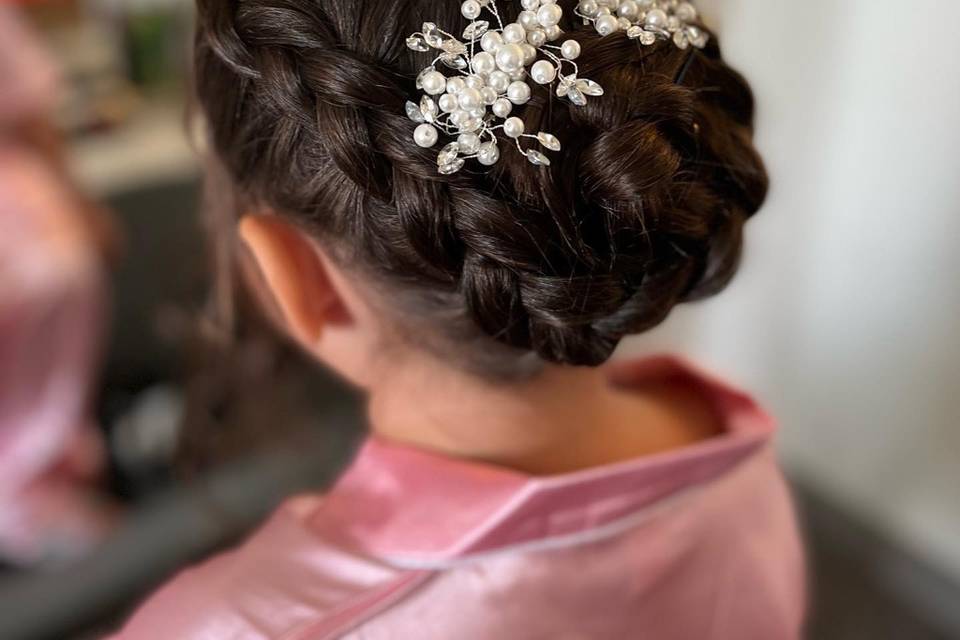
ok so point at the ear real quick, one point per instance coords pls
(291, 278)
(313, 300)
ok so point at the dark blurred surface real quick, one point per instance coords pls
(863, 587)
(164, 272)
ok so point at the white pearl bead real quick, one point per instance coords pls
(549, 15)
(554, 32)
(589, 8)
(514, 33)
(469, 142)
(529, 53)
(502, 108)
(528, 20)
(510, 57)
(434, 83)
(656, 18)
(570, 49)
(499, 81)
(425, 135)
(536, 38)
(448, 102)
(543, 72)
(628, 9)
(470, 9)
(489, 95)
(475, 82)
(519, 74)
(606, 25)
(513, 127)
(530, 5)
(470, 98)
(491, 41)
(686, 12)
(518, 92)
(459, 116)
(488, 154)
(483, 63)
(455, 85)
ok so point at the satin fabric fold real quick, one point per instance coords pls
(694, 544)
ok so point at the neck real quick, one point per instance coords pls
(563, 419)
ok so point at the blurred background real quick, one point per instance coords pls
(843, 320)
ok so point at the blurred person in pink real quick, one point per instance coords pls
(51, 298)
(515, 483)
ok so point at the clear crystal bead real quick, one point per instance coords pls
(417, 43)
(476, 29)
(589, 87)
(435, 40)
(429, 108)
(549, 141)
(451, 167)
(428, 28)
(648, 38)
(680, 39)
(537, 158)
(698, 37)
(454, 46)
(566, 83)
(454, 61)
(576, 97)
(414, 113)
(635, 32)
(448, 154)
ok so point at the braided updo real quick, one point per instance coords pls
(643, 209)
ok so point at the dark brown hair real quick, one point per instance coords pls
(643, 209)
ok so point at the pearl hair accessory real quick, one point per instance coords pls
(645, 20)
(477, 102)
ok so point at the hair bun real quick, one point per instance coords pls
(643, 209)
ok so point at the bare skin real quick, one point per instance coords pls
(564, 419)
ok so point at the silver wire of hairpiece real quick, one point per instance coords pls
(477, 102)
(645, 20)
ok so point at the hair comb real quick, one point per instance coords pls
(491, 63)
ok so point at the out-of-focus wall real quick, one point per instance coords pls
(846, 317)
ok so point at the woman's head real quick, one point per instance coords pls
(503, 267)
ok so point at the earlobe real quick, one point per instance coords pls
(292, 276)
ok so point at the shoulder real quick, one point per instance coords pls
(287, 581)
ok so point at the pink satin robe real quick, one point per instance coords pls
(693, 544)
